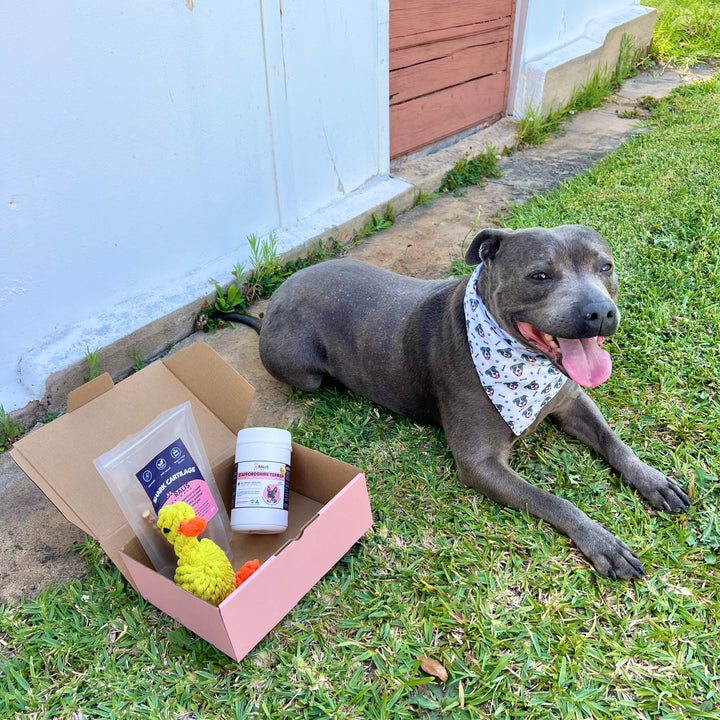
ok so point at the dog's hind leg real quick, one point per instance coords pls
(295, 359)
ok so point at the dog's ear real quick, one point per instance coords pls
(484, 245)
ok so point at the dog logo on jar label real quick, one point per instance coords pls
(271, 494)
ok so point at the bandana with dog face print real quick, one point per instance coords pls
(518, 381)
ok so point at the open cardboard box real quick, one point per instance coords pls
(329, 506)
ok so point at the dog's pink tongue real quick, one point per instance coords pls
(585, 361)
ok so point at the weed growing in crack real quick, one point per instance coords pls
(376, 224)
(9, 430)
(264, 277)
(472, 171)
(93, 360)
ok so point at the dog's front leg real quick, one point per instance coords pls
(579, 417)
(491, 474)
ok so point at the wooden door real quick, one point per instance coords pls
(449, 68)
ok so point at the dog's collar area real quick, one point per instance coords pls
(518, 381)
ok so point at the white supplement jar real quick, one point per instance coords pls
(261, 485)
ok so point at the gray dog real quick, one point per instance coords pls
(486, 357)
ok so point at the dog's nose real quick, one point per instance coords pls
(600, 317)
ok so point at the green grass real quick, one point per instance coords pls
(472, 171)
(93, 361)
(267, 271)
(686, 32)
(522, 624)
(9, 430)
(508, 606)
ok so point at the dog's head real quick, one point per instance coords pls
(554, 289)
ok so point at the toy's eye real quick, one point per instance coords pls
(606, 268)
(166, 530)
(540, 276)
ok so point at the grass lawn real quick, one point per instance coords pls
(686, 31)
(508, 606)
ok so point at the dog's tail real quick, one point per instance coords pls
(254, 322)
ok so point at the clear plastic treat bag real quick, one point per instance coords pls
(164, 463)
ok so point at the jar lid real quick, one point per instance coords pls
(276, 436)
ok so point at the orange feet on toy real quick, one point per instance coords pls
(246, 571)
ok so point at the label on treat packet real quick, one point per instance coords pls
(173, 476)
(261, 484)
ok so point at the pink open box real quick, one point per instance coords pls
(329, 505)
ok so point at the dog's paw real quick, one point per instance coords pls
(609, 556)
(660, 491)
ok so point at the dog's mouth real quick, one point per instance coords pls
(581, 359)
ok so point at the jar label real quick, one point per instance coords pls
(261, 484)
(173, 476)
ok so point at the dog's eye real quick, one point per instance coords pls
(540, 276)
(606, 268)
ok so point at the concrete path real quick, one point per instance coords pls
(36, 542)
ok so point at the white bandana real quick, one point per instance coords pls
(518, 381)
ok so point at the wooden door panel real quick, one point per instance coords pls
(448, 68)
(457, 68)
(449, 111)
(440, 45)
(415, 17)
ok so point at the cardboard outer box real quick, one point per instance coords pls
(329, 507)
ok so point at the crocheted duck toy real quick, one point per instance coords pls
(203, 568)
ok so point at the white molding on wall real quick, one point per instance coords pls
(532, 90)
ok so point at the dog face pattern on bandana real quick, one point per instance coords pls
(518, 381)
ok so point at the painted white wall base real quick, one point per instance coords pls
(376, 192)
(548, 82)
(140, 143)
(133, 321)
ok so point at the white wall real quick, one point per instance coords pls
(551, 33)
(141, 142)
(552, 24)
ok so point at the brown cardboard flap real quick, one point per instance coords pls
(246, 546)
(59, 457)
(89, 391)
(318, 476)
(214, 383)
(57, 500)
